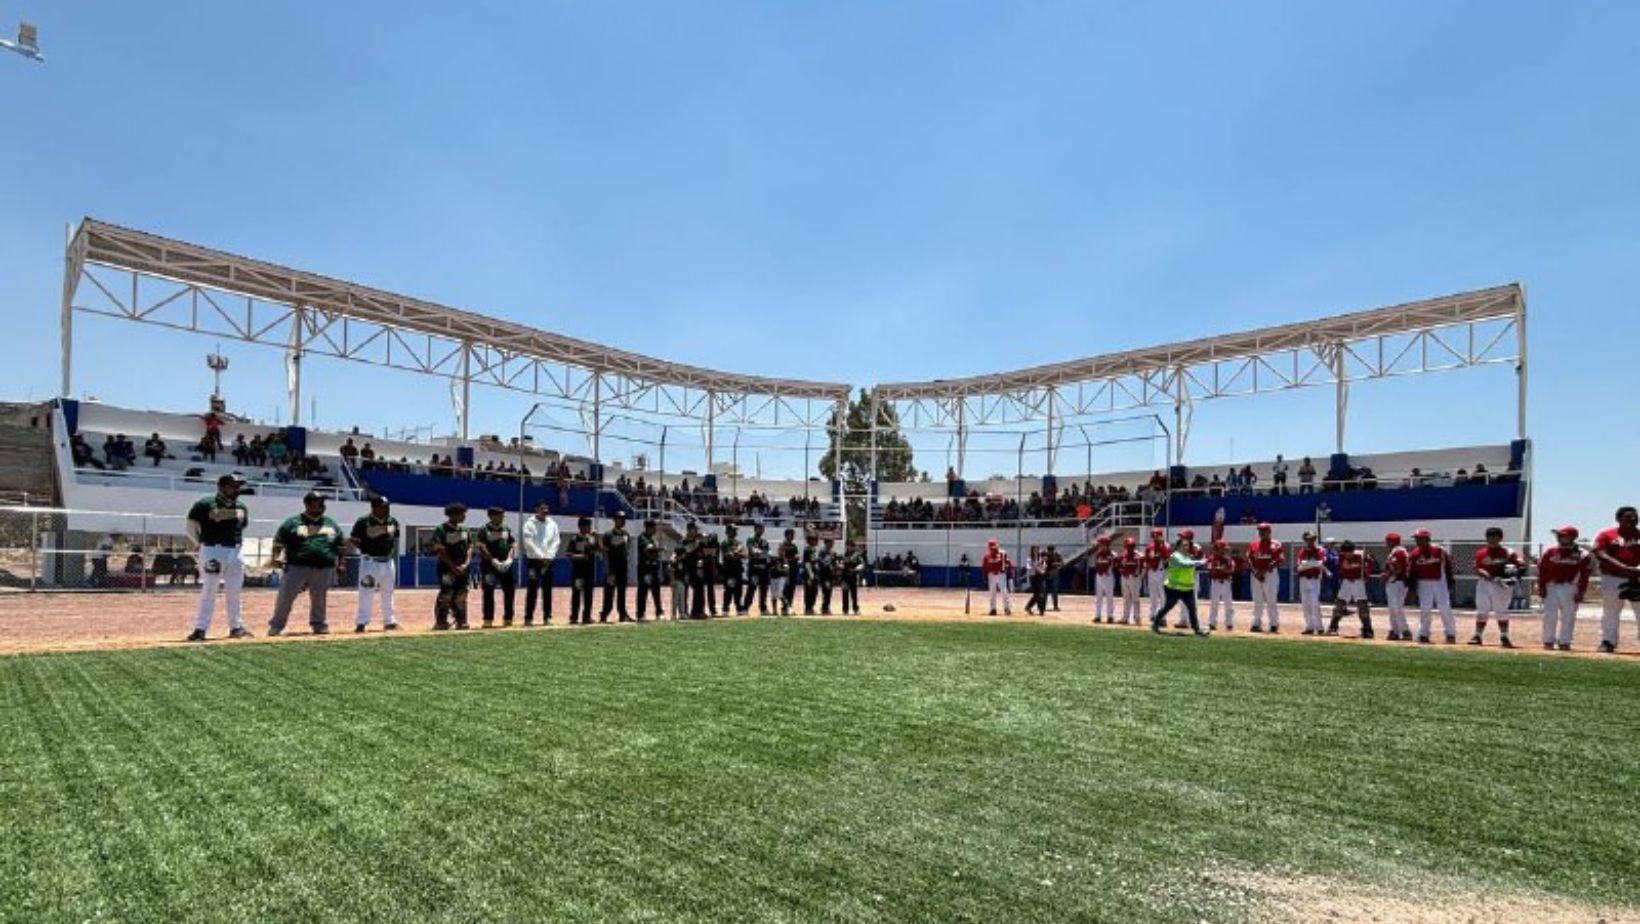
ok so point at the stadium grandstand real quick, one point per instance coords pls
(130, 472)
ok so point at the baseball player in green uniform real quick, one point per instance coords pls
(734, 567)
(616, 548)
(309, 546)
(498, 551)
(786, 574)
(376, 538)
(649, 570)
(452, 545)
(757, 567)
(582, 551)
(217, 525)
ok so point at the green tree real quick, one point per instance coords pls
(853, 463)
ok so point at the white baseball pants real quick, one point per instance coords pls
(1104, 596)
(1611, 613)
(1492, 599)
(1265, 591)
(1433, 595)
(1395, 597)
(999, 585)
(1309, 597)
(220, 567)
(376, 578)
(1559, 613)
(1218, 594)
(1130, 598)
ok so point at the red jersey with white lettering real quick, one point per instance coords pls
(1128, 563)
(1221, 566)
(1311, 561)
(994, 562)
(1625, 549)
(1494, 562)
(1430, 563)
(1102, 561)
(1396, 564)
(1265, 557)
(1355, 566)
(1560, 565)
(1156, 555)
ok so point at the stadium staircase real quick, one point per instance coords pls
(1114, 518)
(27, 472)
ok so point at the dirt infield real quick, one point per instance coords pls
(97, 621)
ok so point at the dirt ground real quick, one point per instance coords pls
(1301, 899)
(93, 621)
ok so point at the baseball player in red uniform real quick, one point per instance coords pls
(1104, 580)
(1396, 582)
(996, 566)
(1129, 565)
(1497, 568)
(1311, 565)
(1265, 557)
(1431, 566)
(1563, 579)
(1617, 552)
(1155, 556)
(1354, 568)
(1222, 567)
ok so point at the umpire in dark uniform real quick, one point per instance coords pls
(616, 546)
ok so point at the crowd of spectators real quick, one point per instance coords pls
(705, 501)
(898, 570)
(1056, 508)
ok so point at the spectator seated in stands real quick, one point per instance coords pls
(206, 448)
(1480, 475)
(241, 451)
(120, 452)
(277, 451)
(84, 455)
(154, 449)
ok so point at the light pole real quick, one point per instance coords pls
(218, 364)
(27, 43)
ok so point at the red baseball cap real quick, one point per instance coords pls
(1104, 539)
(1129, 540)
(1570, 532)
(992, 543)
(1264, 527)
(1392, 538)
(1220, 544)
(1157, 531)
(1422, 534)
(1187, 533)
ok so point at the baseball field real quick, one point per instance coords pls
(811, 770)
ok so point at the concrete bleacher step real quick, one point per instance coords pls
(26, 462)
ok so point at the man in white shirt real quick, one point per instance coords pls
(540, 551)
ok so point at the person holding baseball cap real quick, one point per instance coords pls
(1563, 579)
(498, 550)
(1265, 556)
(216, 524)
(309, 547)
(452, 545)
(376, 538)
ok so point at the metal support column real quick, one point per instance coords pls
(1520, 370)
(1052, 446)
(1342, 399)
(962, 434)
(1182, 410)
(73, 265)
(461, 391)
(597, 417)
(293, 363)
(711, 428)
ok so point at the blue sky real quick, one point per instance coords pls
(860, 191)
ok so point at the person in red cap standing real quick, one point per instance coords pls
(1311, 562)
(1563, 579)
(1129, 565)
(1617, 550)
(1221, 569)
(1104, 580)
(1497, 568)
(1265, 556)
(1431, 566)
(1397, 580)
(1155, 557)
(996, 566)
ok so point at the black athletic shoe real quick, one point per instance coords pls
(1452, 640)
(441, 627)
(198, 635)
(1275, 630)
(1156, 627)
(1258, 629)
(1473, 640)
(1504, 641)
(489, 624)
(1367, 634)
(1307, 632)
(1423, 640)
(1608, 648)
(240, 632)
(992, 613)
(463, 626)
(1566, 647)
(1203, 633)
(391, 627)
(275, 633)
(506, 623)
(322, 630)
(358, 630)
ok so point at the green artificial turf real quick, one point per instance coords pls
(797, 771)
